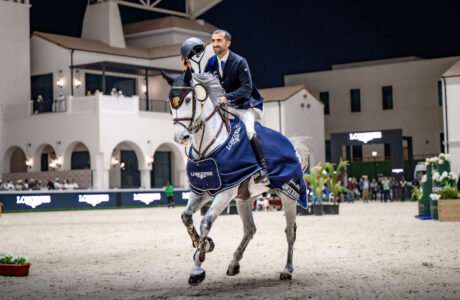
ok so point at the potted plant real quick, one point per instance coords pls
(334, 186)
(11, 265)
(445, 203)
(317, 179)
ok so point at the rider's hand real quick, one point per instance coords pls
(222, 100)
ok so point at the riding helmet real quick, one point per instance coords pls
(192, 46)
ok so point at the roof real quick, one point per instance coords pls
(453, 71)
(283, 93)
(121, 68)
(70, 42)
(168, 22)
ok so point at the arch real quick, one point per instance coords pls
(161, 172)
(14, 160)
(77, 156)
(43, 156)
(126, 160)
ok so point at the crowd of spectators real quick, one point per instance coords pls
(37, 185)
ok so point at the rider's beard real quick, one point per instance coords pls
(219, 50)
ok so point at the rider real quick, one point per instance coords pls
(241, 95)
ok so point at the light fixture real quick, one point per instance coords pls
(29, 162)
(374, 153)
(115, 161)
(144, 89)
(60, 80)
(150, 160)
(77, 82)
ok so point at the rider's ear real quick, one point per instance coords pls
(168, 78)
(188, 75)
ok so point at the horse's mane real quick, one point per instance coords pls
(212, 84)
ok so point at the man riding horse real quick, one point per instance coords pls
(241, 95)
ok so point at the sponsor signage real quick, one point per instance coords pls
(33, 201)
(365, 136)
(93, 199)
(147, 198)
(185, 195)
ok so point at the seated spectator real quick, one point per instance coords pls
(31, 184)
(38, 185)
(19, 185)
(50, 185)
(67, 185)
(58, 184)
(75, 185)
(10, 186)
(114, 92)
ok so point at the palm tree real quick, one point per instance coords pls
(317, 179)
(332, 180)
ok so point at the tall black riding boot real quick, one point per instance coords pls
(259, 153)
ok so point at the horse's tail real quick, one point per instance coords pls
(304, 150)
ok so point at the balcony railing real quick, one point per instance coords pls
(154, 105)
(18, 1)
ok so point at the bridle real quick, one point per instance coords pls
(220, 109)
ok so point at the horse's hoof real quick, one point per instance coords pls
(233, 270)
(196, 279)
(285, 276)
(209, 245)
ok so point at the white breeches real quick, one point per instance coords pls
(248, 117)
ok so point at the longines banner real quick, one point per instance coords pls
(83, 199)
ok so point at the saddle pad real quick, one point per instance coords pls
(204, 174)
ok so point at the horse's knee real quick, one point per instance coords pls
(252, 230)
(187, 218)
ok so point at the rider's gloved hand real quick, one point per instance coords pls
(222, 100)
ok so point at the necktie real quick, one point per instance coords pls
(222, 65)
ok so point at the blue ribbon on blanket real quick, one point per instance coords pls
(234, 161)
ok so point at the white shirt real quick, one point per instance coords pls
(219, 62)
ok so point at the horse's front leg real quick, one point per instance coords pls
(220, 202)
(289, 207)
(245, 212)
(195, 202)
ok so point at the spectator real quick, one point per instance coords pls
(67, 185)
(170, 194)
(350, 188)
(374, 187)
(75, 185)
(19, 185)
(365, 181)
(31, 185)
(403, 185)
(38, 186)
(50, 185)
(58, 184)
(9, 186)
(386, 189)
(394, 184)
(415, 182)
(114, 92)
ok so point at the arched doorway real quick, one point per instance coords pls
(166, 161)
(47, 158)
(124, 166)
(80, 157)
(17, 160)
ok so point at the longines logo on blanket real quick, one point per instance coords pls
(94, 199)
(235, 138)
(147, 198)
(288, 190)
(33, 201)
(201, 175)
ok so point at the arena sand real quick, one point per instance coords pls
(369, 251)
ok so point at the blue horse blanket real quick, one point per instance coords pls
(234, 161)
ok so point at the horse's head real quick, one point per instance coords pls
(185, 98)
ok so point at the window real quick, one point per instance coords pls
(440, 92)
(442, 142)
(80, 160)
(42, 85)
(324, 97)
(387, 97)
(357, 152)
(355, 100)
(387, 151)
(328, 150)
(126, 85)
(161, 171)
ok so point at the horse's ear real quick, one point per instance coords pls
(188, 75)
(168, 78)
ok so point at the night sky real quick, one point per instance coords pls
(297, 36)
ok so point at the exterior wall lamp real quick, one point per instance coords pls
(29, 162)
(150, 160)
(60, 80)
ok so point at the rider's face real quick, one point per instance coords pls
(220, 44)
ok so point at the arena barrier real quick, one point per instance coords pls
(49, 200)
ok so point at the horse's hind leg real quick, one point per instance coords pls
(195, 202)
(289, 207)
(245, 212)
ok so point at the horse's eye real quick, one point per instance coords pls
(187, 99)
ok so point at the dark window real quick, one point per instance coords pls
(355, 100)
(42, 85)
(130, 175)
(161, 172)
(324, 97)
(357, 152)
(44, 162)
(80, 160)
(328, 150)
(442, 143)
(440, 92)
(387, 151)
(387, 97)
(126, 85)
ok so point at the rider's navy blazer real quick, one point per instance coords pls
(236, 81)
